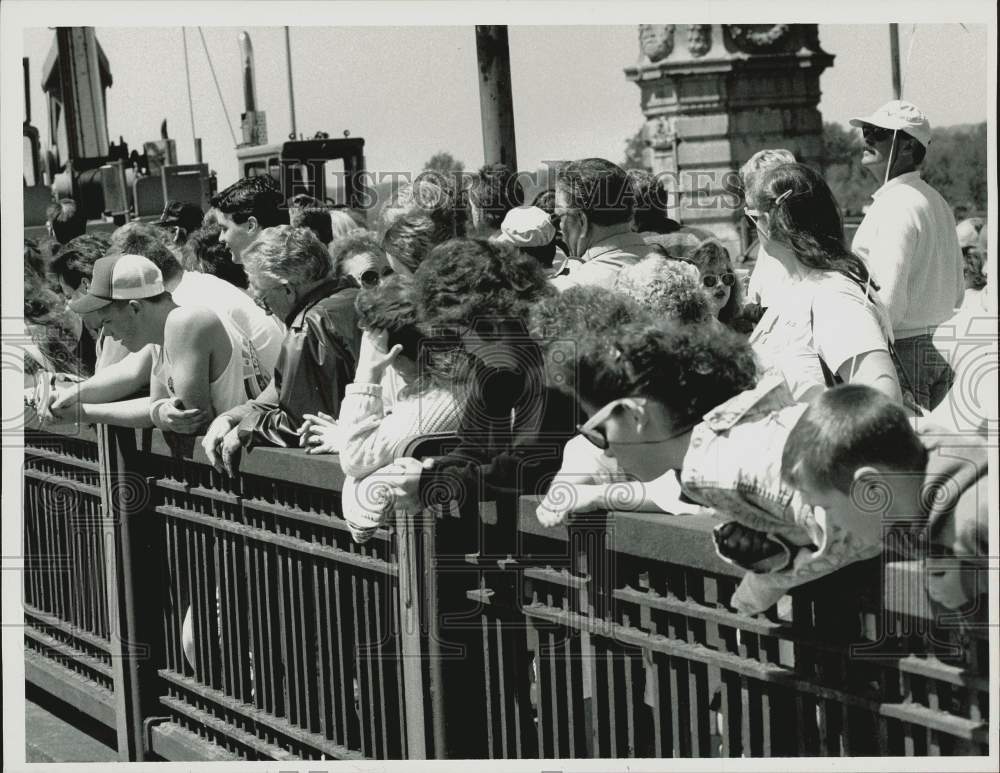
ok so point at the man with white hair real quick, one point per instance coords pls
(908, 240)
(291, 275)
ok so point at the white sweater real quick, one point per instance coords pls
(908, 240)
(372, 440)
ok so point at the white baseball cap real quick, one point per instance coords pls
(527, 227)
(119, 278)
(902, 116)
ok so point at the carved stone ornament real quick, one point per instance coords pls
(656, 41)
(758, 37)
(664, 131)
(699, 39)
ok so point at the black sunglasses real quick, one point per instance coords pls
(876, 133)
(727, 279)
(371, 277)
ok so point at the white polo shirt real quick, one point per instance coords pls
(908, 240)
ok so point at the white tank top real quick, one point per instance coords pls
(238, 382)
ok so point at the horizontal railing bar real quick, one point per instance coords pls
(681, 539)
(557, 577)
(935, 719)
(84, 694)
(63, 482)
(51, 621)
(933, 668)
(298, 545)
(69, 652)
(225, 729)
(690, 608)
(62, 458)
(765, 672)
(253, 714)
(789, 633)
(178, 744)
(208, 493)
(286, 464)
(293, 513)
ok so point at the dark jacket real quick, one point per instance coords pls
(512, 433)
(317, 361)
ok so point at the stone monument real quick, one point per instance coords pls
(713, 95)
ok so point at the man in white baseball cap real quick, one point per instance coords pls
(197, 354)
(908, 240)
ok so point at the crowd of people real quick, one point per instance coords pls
(584, 347)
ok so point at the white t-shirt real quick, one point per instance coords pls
(264, 332)
(230, 388)
(908, 240)
(823, 314)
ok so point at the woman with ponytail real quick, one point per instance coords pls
(828, 325)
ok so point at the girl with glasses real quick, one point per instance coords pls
(718, 280)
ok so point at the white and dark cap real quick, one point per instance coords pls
(527, 227)
(119, 278)
(899, 115)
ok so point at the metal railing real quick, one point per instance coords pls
(238, 620)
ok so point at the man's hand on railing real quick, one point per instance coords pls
(222, 444)
(59, 405)
(171, 415)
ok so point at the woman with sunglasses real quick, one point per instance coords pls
(360, 256)
(827, 326)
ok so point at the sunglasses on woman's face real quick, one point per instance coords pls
(727, 279)
(371, 277)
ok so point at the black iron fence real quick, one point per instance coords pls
(213, 617)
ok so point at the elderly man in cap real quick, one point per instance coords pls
(198, 355)
(908, 239)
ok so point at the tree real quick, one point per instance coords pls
(634, 146)
(445, 163)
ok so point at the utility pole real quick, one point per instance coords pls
(897, 81)
(291, 90)
(496, 104)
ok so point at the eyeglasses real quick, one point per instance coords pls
(593, 428)
(372, 278)
(260, 295)
(710, 280)
(875, 133)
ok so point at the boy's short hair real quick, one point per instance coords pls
(258, 197)
(845, 428)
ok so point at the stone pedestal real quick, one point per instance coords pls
(713, 95)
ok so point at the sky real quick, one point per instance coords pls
(413, 91)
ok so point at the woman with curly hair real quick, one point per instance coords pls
(366, 436)
(828, 326)
(478, 293)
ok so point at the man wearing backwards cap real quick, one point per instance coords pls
(198, 366)
(183, 219)
(908, 239)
